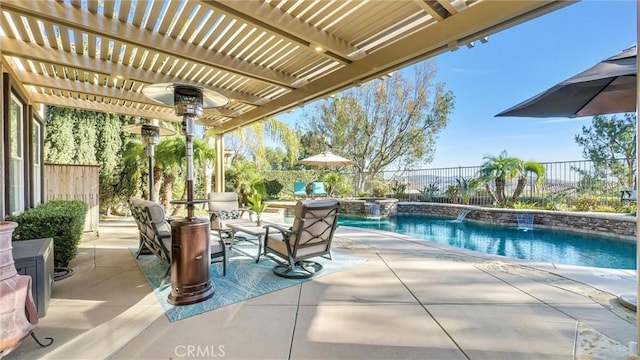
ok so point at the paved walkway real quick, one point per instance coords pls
(410, 300)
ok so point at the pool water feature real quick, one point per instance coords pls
(537, 244)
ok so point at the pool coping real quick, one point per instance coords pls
(611, 280)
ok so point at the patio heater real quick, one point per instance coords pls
(190, 252)
(150, 137)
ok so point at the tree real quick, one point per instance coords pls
(525, 169)
(384, 122)
(108, 149)
(134, 168)
(312, 143)
(279, 131)
(249, 142)
(59, 144)
(502, 168)
(277, 159)
(611, 144)
(84, 125)
(170, 166)
(244, 177)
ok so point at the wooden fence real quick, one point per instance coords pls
(75, 182)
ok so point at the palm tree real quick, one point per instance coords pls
(466, 188)
(134, 164)
(278, 130)
(253, 138)
(499, 169)
(170, 158)
(527, 168)
(244, 176)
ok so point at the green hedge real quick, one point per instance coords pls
(62, 220)
(279, 184)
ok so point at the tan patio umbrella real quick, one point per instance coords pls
(326, 158)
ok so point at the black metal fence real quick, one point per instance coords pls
(563, 183)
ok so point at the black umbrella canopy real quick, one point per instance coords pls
(606, 88)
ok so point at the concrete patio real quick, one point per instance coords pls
(410, 300)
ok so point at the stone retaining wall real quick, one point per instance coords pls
(388, 207)
(619, 225)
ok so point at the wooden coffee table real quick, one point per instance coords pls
(250, 228)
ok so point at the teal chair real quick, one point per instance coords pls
(299, 189)
(317, 189)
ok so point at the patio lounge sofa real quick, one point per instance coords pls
(155, 233)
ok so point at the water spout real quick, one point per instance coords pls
(462, 214)
(525, 221)
(372, 211)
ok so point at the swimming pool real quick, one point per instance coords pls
(537, 244)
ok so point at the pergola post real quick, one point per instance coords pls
(634, 347)
(219, 164)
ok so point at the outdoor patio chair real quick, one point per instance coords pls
(310, 236)
(318, 190)
(628, 195)
(224, 209)
(299, 189)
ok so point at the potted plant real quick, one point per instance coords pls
(256, 204)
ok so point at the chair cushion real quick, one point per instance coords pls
(216, 246)
(276, 243)
(300, 188)
(223, 201)
(224, 214)
(155, 211)
(317, 188)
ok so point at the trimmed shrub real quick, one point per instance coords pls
(62, 220)
(586, 203)
(272, 188)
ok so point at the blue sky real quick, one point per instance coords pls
(514, 65)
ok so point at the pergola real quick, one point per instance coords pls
(266, 56)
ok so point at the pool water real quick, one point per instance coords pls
(535, 244)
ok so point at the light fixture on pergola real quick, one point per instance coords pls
(190, 252)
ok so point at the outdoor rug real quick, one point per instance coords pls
(244, 280)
